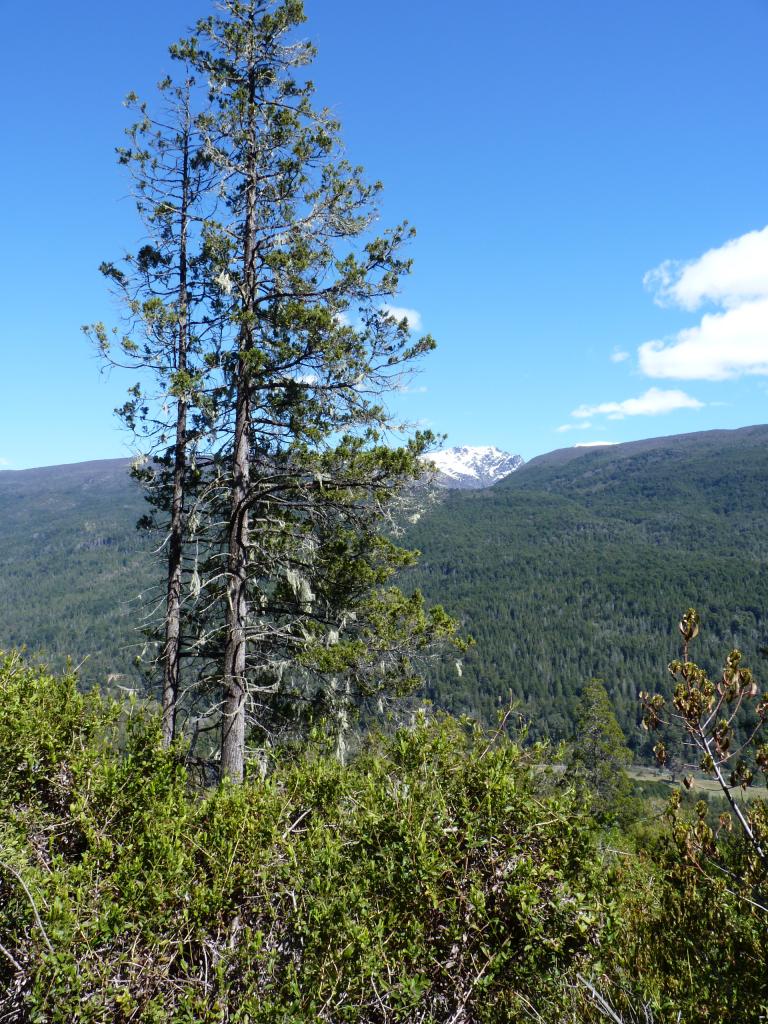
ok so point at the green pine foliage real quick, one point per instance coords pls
(599, 757)
(257, 316)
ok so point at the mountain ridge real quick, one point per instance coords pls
(466, 467)
(562, 456)
(576, 565)
(557, 455)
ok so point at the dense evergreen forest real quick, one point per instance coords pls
(578, 565)
(75, 573)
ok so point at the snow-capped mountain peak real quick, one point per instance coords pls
(472, 467)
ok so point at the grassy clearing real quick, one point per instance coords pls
(701, 783)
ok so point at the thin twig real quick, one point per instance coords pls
(296, 823)
(499, 730)
(599, 1000)
(23, 884)
(8, 956)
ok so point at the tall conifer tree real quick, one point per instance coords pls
(263, 304)
(163, 292)
(303, 284)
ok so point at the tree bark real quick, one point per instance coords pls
(172, 647)
(233, 726)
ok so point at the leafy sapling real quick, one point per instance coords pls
(707, 710)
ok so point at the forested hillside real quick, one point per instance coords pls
(72, 565)
(579, 565)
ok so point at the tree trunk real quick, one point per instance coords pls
(233, 726)
(172, 648)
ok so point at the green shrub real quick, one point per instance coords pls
(441, 876)
(435, 873)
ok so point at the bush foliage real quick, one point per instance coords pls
(443, 875)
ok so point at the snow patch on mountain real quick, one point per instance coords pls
(469, 467)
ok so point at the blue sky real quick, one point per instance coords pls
(574, 172)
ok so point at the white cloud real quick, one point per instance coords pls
(619, 357)
(729, 343)
(729, 276)
(4, 462)
(653, 403)
(595, 444)
(302, 378)
(401, 313)
(724, 345)
(573, 426)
